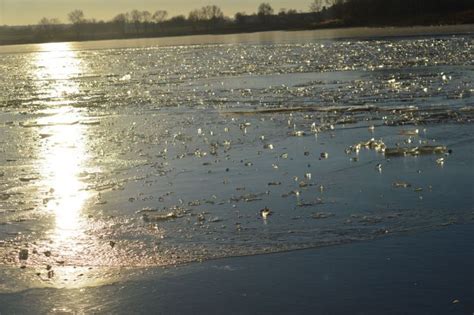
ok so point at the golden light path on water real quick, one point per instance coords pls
(63, 158)
(57, 64)
(63, 155)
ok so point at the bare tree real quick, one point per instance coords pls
(146, 17)
(194, 15)
(178, 20)
(265, 9)
(76, 17)
(136, 18)
(239, 17)
(160, 16)
(318, 5)
(207, 13)
(212, 13)
(122, 20)
(46, 22)
(47, 27)
(146, 20)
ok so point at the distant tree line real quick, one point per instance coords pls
(210, 19)
(402, 12)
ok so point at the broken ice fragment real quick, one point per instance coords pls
(126, 77)
(413, 132)
(298, 133)
(379, 167)
(373, 144)
(322, 215)
(400, 184)
(265, 212)
(159, 217)
(427, 149)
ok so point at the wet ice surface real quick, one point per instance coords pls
(160, 156)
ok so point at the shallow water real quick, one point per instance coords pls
(408, 273)
(162, 155)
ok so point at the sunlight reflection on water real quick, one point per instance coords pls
(56, 68)
(63, 155)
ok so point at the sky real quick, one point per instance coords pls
(23, 12)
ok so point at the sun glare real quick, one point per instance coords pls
(57, 65)
(63, 152)
(63, 158)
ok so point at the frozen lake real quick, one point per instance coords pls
(135, 153)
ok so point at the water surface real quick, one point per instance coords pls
(131, 153)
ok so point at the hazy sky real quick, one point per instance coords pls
(20, 12)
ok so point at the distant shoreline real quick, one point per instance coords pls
(319, 33)
(210, 20)
(250, 37)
